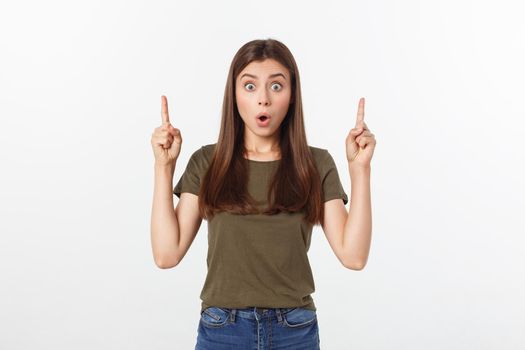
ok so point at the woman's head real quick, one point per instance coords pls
(263, 86)
(250, 89)
(262, 58)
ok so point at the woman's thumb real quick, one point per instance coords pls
(173, 131)
(354, 133)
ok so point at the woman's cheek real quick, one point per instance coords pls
(284, 103)
(241, 105)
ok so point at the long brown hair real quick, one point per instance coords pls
(296, 185)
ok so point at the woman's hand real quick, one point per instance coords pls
(166, 140)
(360, 142)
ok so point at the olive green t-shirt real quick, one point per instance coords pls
(259, 260)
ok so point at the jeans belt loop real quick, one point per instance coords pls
(279, 316)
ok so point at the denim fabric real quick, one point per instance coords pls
(258, 329)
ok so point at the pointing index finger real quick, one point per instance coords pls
(164, 110)
(360, 112)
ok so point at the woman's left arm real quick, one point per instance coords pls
(349, 233)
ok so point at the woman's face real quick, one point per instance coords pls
(263, 87)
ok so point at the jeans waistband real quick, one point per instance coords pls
(250, 312)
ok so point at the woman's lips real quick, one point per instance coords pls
(263, 119)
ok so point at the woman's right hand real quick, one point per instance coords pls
(166, 140)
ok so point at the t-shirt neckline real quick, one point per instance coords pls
(263, 161)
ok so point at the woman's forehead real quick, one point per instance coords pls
(261, 69)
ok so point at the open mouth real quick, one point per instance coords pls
(262, 116)
(263, 120)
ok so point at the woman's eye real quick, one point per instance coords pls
(247, 86)
(277, 85)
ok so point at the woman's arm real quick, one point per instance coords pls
(349, 232)
(164, 223)
(172, 230)
(357, 229)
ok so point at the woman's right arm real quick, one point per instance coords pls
(164, 223)
(172, 230)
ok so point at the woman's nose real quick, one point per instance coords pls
(264, 100)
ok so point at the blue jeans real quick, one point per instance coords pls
(258, 329)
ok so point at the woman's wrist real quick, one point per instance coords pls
(162, 167)
(358, 170)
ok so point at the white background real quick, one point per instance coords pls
(80, 87)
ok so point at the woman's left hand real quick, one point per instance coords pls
(360, 142)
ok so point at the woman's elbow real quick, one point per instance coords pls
(357, 266)
(166, 263)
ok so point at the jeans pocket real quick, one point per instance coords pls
(299, 317)
(215, 317)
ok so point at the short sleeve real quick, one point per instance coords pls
(332, 187)
(190, 179)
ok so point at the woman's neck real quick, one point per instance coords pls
(263, 156)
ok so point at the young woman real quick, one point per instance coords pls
(261, 188)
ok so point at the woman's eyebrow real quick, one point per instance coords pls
(255, 77)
